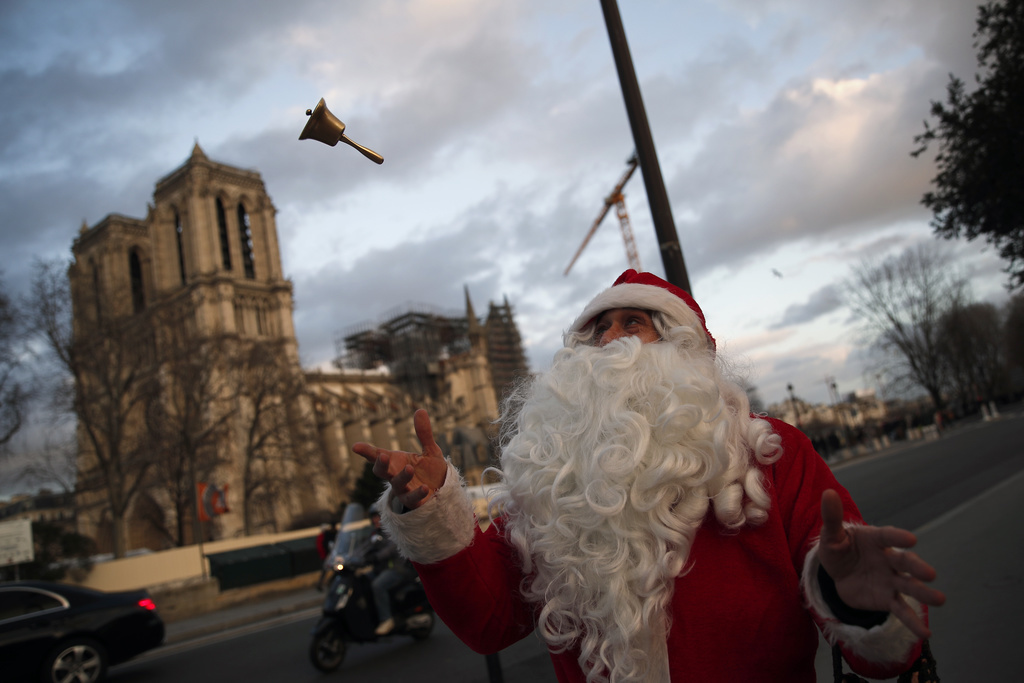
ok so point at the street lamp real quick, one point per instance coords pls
(837, 405)
(792, 401)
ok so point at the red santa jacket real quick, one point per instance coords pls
(744, 611)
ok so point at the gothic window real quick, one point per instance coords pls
(135, 272)
(245, 234)
(222, 230)
(179, 232)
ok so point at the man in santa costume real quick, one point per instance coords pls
(651, 528)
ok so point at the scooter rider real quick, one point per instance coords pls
(390, 570)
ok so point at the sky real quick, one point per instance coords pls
(783, 129)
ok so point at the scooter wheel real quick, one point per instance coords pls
(327, 651)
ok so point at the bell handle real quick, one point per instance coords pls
(365, 151)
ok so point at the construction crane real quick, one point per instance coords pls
(619, 201)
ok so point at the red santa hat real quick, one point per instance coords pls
(647, 292)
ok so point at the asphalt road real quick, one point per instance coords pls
(279, 653)
(962, 494)
(914, 484)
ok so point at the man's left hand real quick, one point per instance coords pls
(870, 570)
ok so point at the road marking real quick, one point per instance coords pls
(227, 634)
(962, 507)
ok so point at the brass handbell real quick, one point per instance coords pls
(326, 128)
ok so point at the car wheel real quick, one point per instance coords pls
(327, 650)
(76, 660)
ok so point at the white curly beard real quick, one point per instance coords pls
(611, 462)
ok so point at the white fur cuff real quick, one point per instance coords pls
(438, 529)
(890, 641)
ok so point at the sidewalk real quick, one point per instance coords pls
(250, 612)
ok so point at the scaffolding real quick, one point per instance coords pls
(415, 342)
(504, 349)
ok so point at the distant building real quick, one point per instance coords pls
(855, 419)
(45, 506)
(203, 270)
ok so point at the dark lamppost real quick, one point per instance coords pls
(792, 401)
(657, 197)
(838, 406)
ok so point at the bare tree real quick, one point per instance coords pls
(13, 393)
(1013, 331)
(108, 362)
(972, 351)
(275, 440)
(901, 302)
(188, 414)
(53, 462)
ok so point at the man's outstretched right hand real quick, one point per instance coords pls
(414, 477)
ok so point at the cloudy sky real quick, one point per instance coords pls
(783, 129)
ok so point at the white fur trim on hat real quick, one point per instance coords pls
(645, 297)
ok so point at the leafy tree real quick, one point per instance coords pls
(58, 553)
(901, 303)
(980, 138)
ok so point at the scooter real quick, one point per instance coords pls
(349, 612)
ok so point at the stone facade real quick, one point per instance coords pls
(204, 266)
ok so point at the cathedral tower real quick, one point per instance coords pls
(201, 276)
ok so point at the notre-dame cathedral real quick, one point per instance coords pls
(209, 386)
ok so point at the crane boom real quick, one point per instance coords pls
(615, 198)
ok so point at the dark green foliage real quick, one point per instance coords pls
(58, 554)
(980, 136)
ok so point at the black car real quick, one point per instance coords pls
(58, 633)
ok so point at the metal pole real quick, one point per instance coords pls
(657, 197)
(792, 401)
(197, 525)
(494, 674)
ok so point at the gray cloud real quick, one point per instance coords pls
(819, 303)
(101, 98)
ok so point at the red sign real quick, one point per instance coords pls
(213, 501)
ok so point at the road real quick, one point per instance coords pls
(963, 494)
(278, 652)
